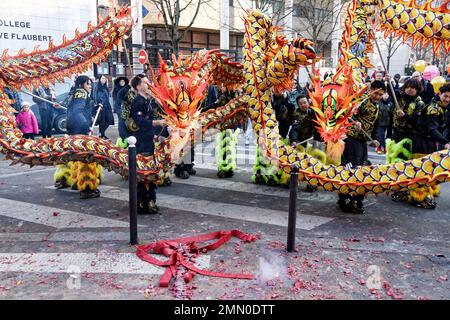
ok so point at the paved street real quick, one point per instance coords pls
(55, 246)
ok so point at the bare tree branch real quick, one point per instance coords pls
(171, 10)
(192, 20)
(187, 5)
(318, 20)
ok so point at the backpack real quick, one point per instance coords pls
(125, 111)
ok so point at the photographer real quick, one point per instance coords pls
(45, 109)
(302, 126)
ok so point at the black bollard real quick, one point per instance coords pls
(133, 189)
(292, 219)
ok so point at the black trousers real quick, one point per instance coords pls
(46, 122)
(423, 145)
(145, 191)
(186, 165)
(356, 153)
(28, 135)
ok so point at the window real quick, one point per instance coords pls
(313, 13)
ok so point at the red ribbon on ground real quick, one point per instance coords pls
(180, 251)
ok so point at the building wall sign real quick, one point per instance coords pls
(26, 24)
(20, 30)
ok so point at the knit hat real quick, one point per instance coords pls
(25, 104)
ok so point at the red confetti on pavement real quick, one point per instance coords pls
(442, 278)
(55, 213)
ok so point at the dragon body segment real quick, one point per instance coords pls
(375, 179)
(269, 63)
(75, 57)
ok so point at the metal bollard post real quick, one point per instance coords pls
(292, 218)
(133, 189)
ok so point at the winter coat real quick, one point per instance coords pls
(385, 113)
(403, 127)
(46, 94)
(27, 122)
(102, 95)
(79, 112)
(142, 114)
(117, 102)
(428, 92)
(284, 111)
(367, 115)
(14, 95)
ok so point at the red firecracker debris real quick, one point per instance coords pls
(442, 278)
(352, 240)
(180, 250)
(55, 213)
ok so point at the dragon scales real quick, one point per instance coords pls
(75, 57)
(268, 62)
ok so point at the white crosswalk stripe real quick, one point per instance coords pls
(44, 215)
(226, 210)
(225, 184)
(100, 262)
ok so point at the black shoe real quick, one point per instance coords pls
(310, 188)
(182, 175)
(229, 174)
(166, 182)
(61, 184)
(348, 205)
(221, 174)
(344, 204)
(399, 196)
(225, 174)
(191, 171)
(104, 137)
(74, 187)
(152, 207)
(88, 194)
(142, 208)
(428, 203)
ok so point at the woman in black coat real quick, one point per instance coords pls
(101, 96)
(119, 84)
(79, 109)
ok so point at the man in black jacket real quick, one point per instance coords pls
(141, 113)
(430, 125)
(427, 93)
(45, 109)
(284, 112)
(355, 152)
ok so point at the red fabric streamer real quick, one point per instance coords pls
(184, 250)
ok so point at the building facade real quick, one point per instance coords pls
(26, 24)
(219, 25)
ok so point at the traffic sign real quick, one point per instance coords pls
(143, 57)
